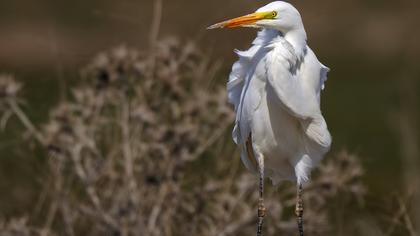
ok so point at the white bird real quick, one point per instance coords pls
(275, 87)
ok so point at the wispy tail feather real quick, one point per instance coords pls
(303, 169)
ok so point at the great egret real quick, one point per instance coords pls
(275, 88)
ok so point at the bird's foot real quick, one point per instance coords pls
(299, 208)
(261, 208)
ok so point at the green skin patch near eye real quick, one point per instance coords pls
(267, 15)
(271, 15)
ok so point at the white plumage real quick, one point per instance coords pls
(275, 87)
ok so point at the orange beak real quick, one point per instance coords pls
(245, 21)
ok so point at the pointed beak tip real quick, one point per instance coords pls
(215, 26)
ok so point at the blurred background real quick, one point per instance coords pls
(371, 99)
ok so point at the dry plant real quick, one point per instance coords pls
(126, 156)
(18, 227)
(9, 89)
(406, 124)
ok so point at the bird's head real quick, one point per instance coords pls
(278, 15)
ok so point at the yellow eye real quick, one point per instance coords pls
(274, 14)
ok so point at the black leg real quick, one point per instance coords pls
(261, 207)
(260, 166)
(299, 209)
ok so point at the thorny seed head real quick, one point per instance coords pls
(9, 87)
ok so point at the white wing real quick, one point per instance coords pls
(241, 72)
(297, 85)
(242, 67)
(299, 99)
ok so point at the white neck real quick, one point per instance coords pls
(297, 38)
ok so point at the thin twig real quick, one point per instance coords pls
(157, 209)
(234, 227)
(126, 145)
(157, 18)
(407, 219)
(154, 33)
(210, 141)
(25, 121)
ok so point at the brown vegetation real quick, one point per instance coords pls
(126, 156)
(142, 147)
